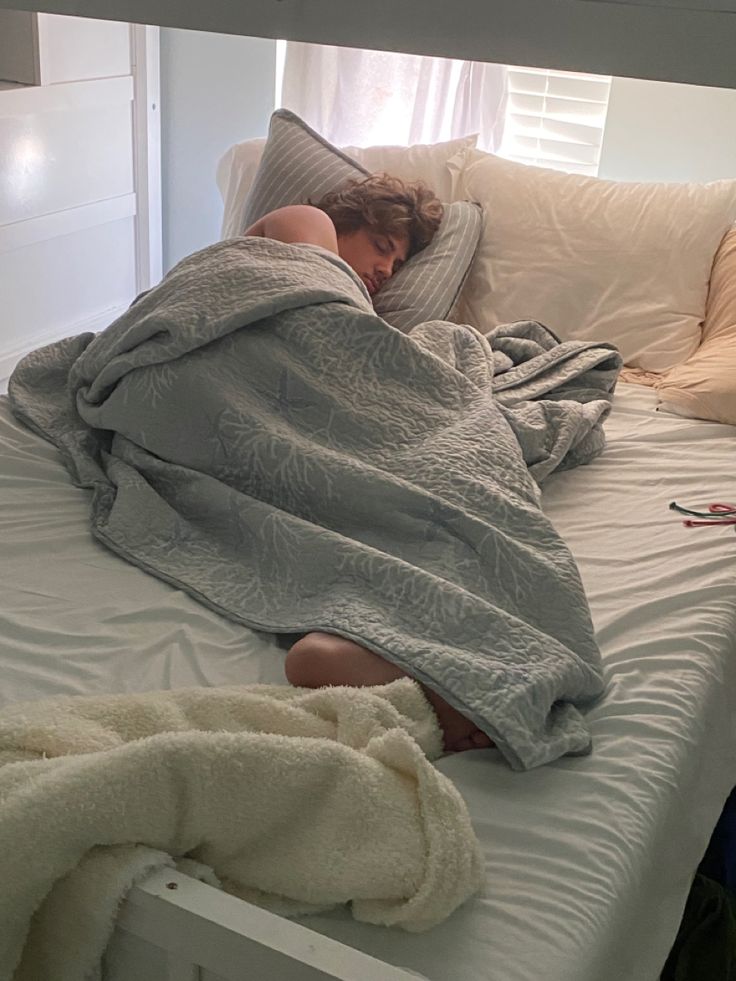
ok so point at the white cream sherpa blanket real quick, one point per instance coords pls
(297, 799)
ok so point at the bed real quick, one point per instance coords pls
(585, 892)
(593, 891)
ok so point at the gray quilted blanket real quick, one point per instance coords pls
(253, 433)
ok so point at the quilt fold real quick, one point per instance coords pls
(255, 434)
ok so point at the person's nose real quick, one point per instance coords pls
(384, 267)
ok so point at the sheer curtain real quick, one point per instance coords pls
(362, 98)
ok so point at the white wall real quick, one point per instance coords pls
(665, 131)
(216, 89)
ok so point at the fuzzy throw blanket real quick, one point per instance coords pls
(295, 799)
(255, 434)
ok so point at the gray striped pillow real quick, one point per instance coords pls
(298, 164)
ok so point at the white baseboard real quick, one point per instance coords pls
(9, 357)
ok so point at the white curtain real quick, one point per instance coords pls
(363, 98)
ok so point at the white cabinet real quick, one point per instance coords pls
(44, 49)
(80, 200)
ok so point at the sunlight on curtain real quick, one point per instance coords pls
(363, 98)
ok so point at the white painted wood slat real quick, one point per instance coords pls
(21, 234)
(556, 119)
(237, 941)
(674, 40)
(145, 47)
(20, 101)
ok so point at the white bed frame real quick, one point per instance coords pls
(172, 927)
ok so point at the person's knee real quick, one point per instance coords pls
(305, 665)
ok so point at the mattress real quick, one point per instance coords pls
(589, 859)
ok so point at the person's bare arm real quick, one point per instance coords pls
(297, 223)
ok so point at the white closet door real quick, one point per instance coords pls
(79, 183)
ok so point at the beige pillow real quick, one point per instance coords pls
(424, 161)
(235, 172)
(593, 259)
(705, 386)
(237, 168)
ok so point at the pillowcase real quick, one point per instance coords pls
(298, 164)
(593, 259)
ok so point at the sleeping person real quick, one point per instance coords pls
(375, 224)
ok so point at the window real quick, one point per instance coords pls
(555, 119)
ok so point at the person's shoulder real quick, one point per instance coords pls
(300, 212)
(298, 223)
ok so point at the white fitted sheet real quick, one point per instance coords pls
(590, 859)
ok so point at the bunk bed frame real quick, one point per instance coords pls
(670, 40)
(173, 928)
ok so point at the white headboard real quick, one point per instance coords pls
(673, 40)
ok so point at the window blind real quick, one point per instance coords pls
(555, 119)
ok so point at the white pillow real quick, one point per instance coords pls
(427, 162)
(235, 173)
(593, 259)
(422, 162)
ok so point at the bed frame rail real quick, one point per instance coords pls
(673, 40)
(204, 934)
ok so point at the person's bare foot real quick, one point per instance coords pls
(320, 659)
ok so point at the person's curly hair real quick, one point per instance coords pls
(387, 205)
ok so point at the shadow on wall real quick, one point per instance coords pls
(665, 131)
(216, 89)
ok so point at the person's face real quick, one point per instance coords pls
(374, 256)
